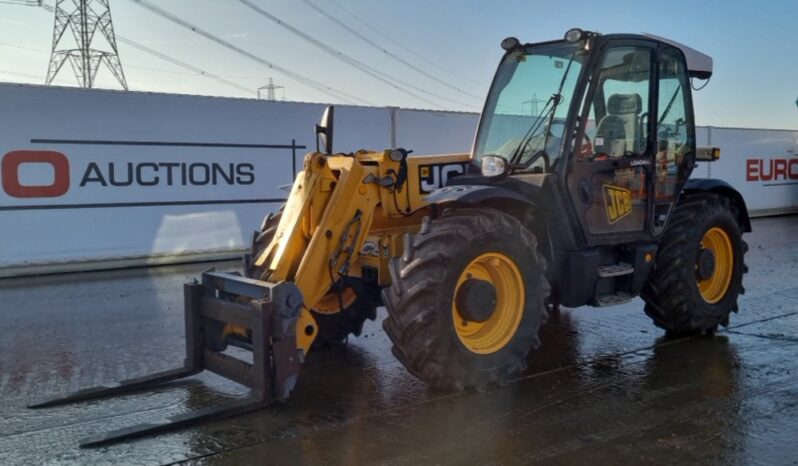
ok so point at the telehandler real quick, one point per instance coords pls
(583, 197)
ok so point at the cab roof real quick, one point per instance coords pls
(699, 64)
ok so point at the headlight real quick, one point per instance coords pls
(493, 165)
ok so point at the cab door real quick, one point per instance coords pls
(675, 132)
(610, 168)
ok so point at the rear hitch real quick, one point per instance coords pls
(267, 311)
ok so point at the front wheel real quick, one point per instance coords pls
(698, 272)
(466, 299)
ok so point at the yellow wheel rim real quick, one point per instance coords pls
(714, 288)
(493, 334)
(330, 304)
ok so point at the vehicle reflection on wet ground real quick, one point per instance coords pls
(605, 388)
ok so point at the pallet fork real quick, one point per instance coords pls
(267, 311)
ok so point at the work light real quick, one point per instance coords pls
(574, 35)
(493, 165)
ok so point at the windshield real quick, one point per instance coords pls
(526, 109)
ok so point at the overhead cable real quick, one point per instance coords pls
(155, 53)
(328, 90)
(380, 75)
(371, 43)
(185, 65)
(399, 44)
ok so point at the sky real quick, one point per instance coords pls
(447, 49)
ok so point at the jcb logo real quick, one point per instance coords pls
(10, 168)
(617, 203)
(432, 177)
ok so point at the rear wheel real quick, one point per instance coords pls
(334, 325)
(466, 299)
(698, 272)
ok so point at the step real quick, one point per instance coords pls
(613, 299)
(614, 270)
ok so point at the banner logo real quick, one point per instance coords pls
(771, 169)
(10, 174)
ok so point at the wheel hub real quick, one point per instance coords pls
(705, 264)
(492, 303)
(476, 300)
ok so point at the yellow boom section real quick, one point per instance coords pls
(337, 204)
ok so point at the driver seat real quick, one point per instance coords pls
(616, 133)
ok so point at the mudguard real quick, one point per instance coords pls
(696, 185)
(475, 194)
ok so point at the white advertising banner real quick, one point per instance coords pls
(102, 175)
(94, 178)
(761, 164)
(431, 132)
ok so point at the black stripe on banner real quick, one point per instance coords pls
(781, 184)
(138, 204)
(164, 143)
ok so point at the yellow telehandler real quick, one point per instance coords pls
(583, 198)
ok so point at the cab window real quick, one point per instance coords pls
(675, 140)
(617, 123)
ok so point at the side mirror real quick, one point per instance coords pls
(324, 131)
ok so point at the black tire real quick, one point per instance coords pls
(419, 300)
(332, 328)
(671, 293)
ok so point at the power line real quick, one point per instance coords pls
(16, 73)
(336, 53)
(193, 73)
(193, 70)
(296, 76)
(22, 2)
(29, 76)
(371, 43)
(399, 44)
(155, 53)
(311, 83)
(376, 74)
(185, 65)
(22, 47)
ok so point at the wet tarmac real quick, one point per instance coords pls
(605, 388)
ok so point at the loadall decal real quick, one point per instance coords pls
(434, 176)
(617, 202)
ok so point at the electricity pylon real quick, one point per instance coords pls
(270, 88)
(84, 18)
